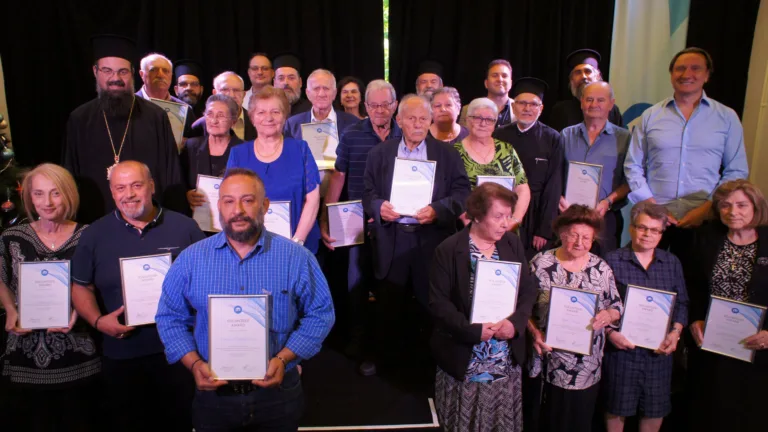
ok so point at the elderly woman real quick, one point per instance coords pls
(478, 383)
(446, 105)
(484, 155)
(570, 380)
(208, 154)
(730, 260)
(351, 96)
(50, 373)
(285, 165)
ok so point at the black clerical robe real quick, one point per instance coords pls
(568, 113)
(87, 155)
(302, 105)
(541, 151)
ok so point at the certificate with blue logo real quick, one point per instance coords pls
(44, 294)
(506, 181)
(238, 336)
(412, 183)
(207, 215)
(494, 295)
(142, 279)
(583, 183)
(728, 323)
(278, 218)
(569, 322)
(346, 223)
(322, 138)
(647, 316)
(177, 115)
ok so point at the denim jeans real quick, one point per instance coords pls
(273, 409)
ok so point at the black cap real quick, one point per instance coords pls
(583, 56)
(429, 66)
(287, 60)
(111, 45)
(529, 85)
(187, 67)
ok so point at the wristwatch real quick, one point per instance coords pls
(298, 240)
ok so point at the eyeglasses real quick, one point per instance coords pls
(575, 238)
(644, 229)
(109, 71)
(194, 84)
(483, 120)
(229, 92)
(523, 104)
(217, 117)
(259, 68)
(375, 106)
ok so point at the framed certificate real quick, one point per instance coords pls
(44, 294)
(583, 183)
(207, 215)
(278, 218)
(728, 323)
(412, 184)
(569, 324)
(647, 316)
(323, 138)
(494, 295)
(142, 279)
(238, 336)
(177, 115)
(506, 181)
(346, 223)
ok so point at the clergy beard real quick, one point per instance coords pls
(577, 90)
(292, 96)
(189, 98)
(116, 103)
(250, 233)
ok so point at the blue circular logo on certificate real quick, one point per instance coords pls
(145, 267)
(573, 300)
(498, 272)
(216, 186)
(269, 211)
(238, 309)
(319, 130)
(584, 172)
(414, 169)
(735, 310)
(649, 299)
(345, 210)
(44, 272)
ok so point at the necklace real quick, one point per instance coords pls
(45, 239)
(262, 156)
(125, 134)
(483, 158)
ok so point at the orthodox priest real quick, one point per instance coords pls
(119, 126)
(541, 151)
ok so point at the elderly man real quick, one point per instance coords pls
(189, 76)
(598, 141)
(541, 152)
(498, 82)
(288, 78)
(684, 148)
(144, 391)
(639, 380)
(231, 84)
(246, 259)
(119, 126)
(403, 245)
(428, 78)
(157, 73)
(583, 67)
(260, 73)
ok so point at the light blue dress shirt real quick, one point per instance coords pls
(679, 162)
(419, 153)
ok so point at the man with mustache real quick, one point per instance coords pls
(428, 78)
(583, 67)
(139, 381)
(119, 126)
(189, 87)
(156, 71)
(498, 82)
(246, 259)
(260, 73)
(288, 78)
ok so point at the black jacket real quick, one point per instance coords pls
(196, 158)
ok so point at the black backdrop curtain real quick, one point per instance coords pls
(46, 52)
(534, 35)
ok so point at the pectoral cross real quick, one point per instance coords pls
(110, 168)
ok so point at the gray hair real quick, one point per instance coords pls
(223, 75)
(452, 92)
(234, 110)
(478, 103)
(424, 101)
(610, 88)
(145, 61)
(654, 211)
(317, 72)
(380, 84)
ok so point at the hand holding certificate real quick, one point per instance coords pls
(207, 215)
(583, 183)
(412, 184)
(346, 223)
(238, 336)
(728, 323)
(569, 324)
(506, 181)
(142, 279)
(495, 292)
(278, 218)
(44, 294)
(647, 316)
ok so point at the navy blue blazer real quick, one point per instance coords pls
(292, 127)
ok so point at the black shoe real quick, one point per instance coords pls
(367, 368)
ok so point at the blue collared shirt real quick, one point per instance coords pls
(419, 153)
(301, 307)
(608, 150)
(679, 162)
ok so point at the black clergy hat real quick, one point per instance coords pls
(187, 67)
(112, 45)
(287, 60)
(529, 85)
(583, 56)
(429, 66)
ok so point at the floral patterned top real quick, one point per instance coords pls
(563, 369)
(733, 271)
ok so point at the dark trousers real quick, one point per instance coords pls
(274, 409)
(35, 409)
(148, 394)
(568, 410)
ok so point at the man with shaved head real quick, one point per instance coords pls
(138, 378)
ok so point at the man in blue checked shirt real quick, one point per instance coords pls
(246, 259)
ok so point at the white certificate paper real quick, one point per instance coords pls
(494, 296)
(238, 336)
(728, 323)
(207, 215)
(323, 138)
(506, 181)
(278, 218)
(583, 183)
(142, 279)
(346, 223)
(569, 325)
(412, 184)
(647, 316)
(177, 115)
(44, 294)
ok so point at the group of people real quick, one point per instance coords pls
(125, 190)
